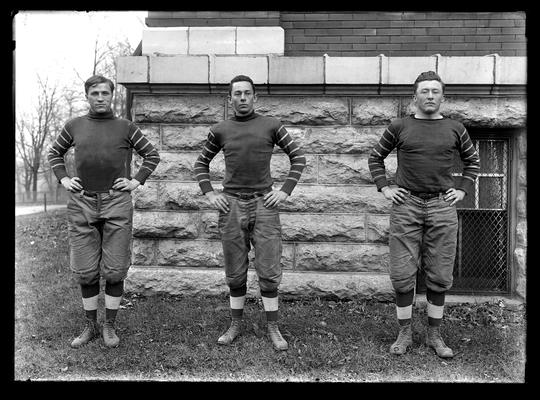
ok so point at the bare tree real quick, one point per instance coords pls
(33, 132)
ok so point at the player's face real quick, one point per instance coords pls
(242, 98)
(429, 96)
(99, 97)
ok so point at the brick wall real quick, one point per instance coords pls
(373, 33)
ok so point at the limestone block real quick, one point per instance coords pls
(511, 70)
(212, 40)
(522, 202)
(143, 252)
(349, 169)
(352, 70)
(166, 224)
(332, 257)
(378, 228)
(179, 69)
(180, 166)
(189, 253)
(522, 144)
(296, 70)
(224, 68)
(520, 264)
(522, 172)
(192, 109)
(132, 69)
(405, 70)
(374, 111)
(184, 137)
(149, 281)
(482, 112)
(305, 198)
(260, 40)
(521, 232)
(458, 70)
(305, 110)
(323, 227)
(165, 41)
(337, 140)
(145, 196)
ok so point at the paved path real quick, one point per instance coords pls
(24, 210)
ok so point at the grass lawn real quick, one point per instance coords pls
(172, 338)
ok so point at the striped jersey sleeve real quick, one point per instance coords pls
(202, 164)
(147, 151)
(55, 154)
(386, 144)
(471, 162)
(296, 157)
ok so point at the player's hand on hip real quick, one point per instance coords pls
(218, 200)
(274, 198)
(72, 184)
(125, 184)
(395, 193)
(454, 195)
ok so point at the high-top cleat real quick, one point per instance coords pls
(275, 335)
(231, 334)
(90, 332)
(434, 340)
(109, 335)
(404, 340)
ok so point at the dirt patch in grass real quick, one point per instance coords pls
(166, 338)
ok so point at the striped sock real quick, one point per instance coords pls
(435, 307)
(90, 296)
(113, 298)
(270, 304)
(404, 307)
(237, 299)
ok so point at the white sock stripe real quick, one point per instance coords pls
(434, 311)
(404, 312)
(270, 303)
(112, 302)
(237, 302)
(90, 303)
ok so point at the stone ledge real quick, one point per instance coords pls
(382, 70)
(149, 281)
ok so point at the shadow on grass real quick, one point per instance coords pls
(174, 338)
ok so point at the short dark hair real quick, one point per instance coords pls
(95, 80)
(241, 78)
(428, 76)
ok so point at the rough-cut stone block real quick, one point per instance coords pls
(521, 140)
(305, 110)
(189, 253)
(165, 41)
(296, 70)
(522, 172)
(521, 232)
(305, 198)
(132, 70)
(352, 70)
(348, 257)
(184, 137)
(467, 70)
(405, 70)
(192, 109)
(143, 252)
(511, 71)
(520, 268)
(224, 68)
(323, 228)
(378, 228)
(151, 132)
(522, 202)
(336, 140)
(145, 196)
(260, 40)
(166, 224)
(212, 40)
(343, 168)
(179, 69)
(149, 281)
(482, 112)
(374, 111)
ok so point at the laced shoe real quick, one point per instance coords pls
(231, 334)
(275, 335)
(109, 335)
(91, 331)
(404, 340)
(434, 340)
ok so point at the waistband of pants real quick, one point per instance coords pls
(246, 195)
(91, 193)
(424, 195)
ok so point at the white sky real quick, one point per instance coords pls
(55, 43)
